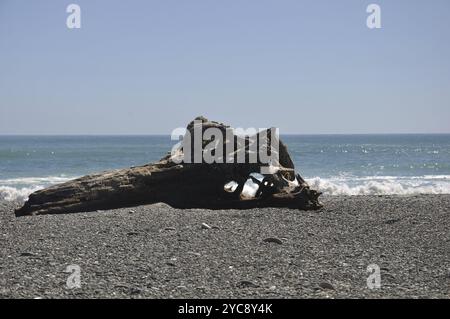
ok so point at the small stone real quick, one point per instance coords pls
(273, 287)
(135, 291)
(247, 284)
(391, 276)
(392, 221)
(121, 286)
(305, 283)
(131, 212)
(193, 253)
(169, 228)
(132, 233)
(206, 226)
(26, 254)
(326, 285)
(273, 240)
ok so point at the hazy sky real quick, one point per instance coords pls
(143, 67)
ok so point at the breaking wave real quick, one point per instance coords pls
(34, 180)
(19, 194)
(18, 189)
(382, 185)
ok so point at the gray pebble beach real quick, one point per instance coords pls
(156, 251)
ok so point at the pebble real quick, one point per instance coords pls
(193, 253)
(247, 284)
(121, 286)
(392, 221)
(326, 285)
(206, 226)
(135, 291)
(132, 233)
(26, 254)
(273, 240)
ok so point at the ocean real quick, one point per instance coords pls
(335, 164)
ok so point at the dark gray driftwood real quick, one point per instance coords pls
(180, 185)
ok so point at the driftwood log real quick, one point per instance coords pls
(182, 184)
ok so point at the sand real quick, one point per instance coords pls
(156, 251)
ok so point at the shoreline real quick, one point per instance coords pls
(156, 251)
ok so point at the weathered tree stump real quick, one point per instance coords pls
(182, 184)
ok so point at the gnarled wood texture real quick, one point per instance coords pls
(181, 185)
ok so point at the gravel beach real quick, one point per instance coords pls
(156, 251)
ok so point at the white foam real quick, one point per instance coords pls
(34, 180)
(19, 194)
(382, 185)
(18, 189)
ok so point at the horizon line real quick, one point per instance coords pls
(165, 134)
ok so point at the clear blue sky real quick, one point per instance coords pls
(144, 67)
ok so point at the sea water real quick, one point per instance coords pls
(334, 164)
